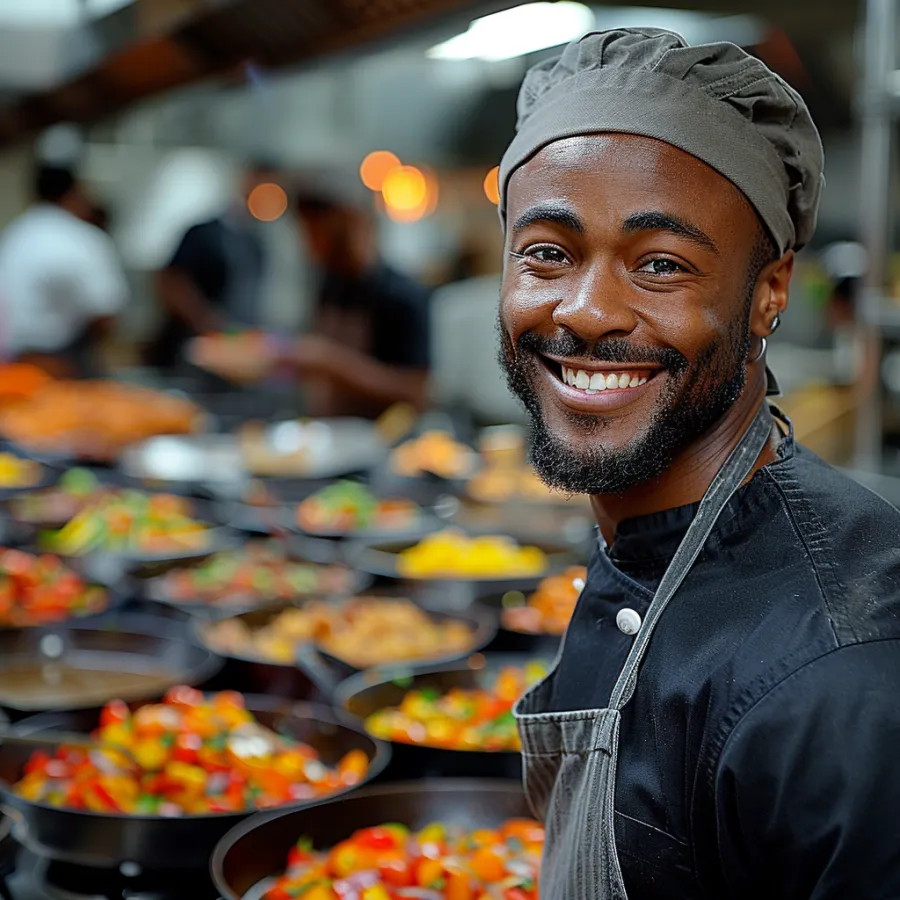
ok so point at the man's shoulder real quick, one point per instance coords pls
(850, 536)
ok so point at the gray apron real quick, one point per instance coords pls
(570, 758)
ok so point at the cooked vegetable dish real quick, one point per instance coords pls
(439, 862)
(462, 718)
(452, 554)
(259, 572)
(127, 521)
(188, 755)
(434, 452)
(549, 608)
(347, 507)
(35, 590)
(362, 631)
(96, 419)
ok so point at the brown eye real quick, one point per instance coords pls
(547, 254)
(662, 266)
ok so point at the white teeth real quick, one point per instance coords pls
(592, 384)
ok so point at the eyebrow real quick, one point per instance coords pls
(660, 221)
(555, 213)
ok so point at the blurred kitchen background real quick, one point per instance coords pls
(160, 105)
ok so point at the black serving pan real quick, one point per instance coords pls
(316, 672)
(129, 657)
(380, 559)
(251, 856)
(372, 690)
(158, 842)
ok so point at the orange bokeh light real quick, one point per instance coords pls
(404, 188)
(410, 196)
(492, 185)
(375, 168)
(267, 202)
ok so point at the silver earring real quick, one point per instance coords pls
(762, 350)
(775, 323)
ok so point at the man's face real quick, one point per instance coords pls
(624, 306)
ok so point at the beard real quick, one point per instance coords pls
(694, 399)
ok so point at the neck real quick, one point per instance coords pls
(690, 474)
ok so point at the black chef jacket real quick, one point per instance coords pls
(760, 754)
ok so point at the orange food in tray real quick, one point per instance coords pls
(94, 418)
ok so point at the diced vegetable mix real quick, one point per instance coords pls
(461, 718)
(119, 520)
(18, 473)
(349, 506)
(439, 862)
(35, 590)
(452, 554)
(258, 572)
(188, 755)
(549, 608)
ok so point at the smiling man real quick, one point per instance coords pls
(723, 717)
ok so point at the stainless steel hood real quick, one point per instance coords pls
(85, 72)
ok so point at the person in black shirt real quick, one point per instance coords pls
(369, 345)
(214, 280)
(723, 718)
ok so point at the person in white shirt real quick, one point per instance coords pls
(61, 283)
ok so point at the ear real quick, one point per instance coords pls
(770, 296)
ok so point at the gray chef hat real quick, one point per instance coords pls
(713, 101)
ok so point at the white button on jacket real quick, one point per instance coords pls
(629, 621)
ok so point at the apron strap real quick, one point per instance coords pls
(729, 478)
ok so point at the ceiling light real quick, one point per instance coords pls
(515, 32)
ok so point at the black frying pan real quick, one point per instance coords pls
(157, 842)
(374, 689)
(252, 855)
(76, 666)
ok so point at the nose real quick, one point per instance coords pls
(597, 308)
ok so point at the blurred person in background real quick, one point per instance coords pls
(215, 279)
(61, 283)
(369, 346)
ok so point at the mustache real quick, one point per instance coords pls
(614, 350)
